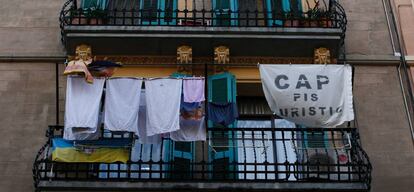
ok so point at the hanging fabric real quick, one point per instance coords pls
(193, 90)
(190, 130)
(142, 124)
(255, 147)
(222, 113)
(163, 98)
(122, 100)
(83, 101)
(108, 152)
(285, 149)
(310, 95)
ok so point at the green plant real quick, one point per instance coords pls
(94, 11)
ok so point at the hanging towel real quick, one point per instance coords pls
(190, 130)
(189, 106)
(163, 98)
(222, 113)
(122, 100)
(193, 90)
(82, 106)
(142, 124)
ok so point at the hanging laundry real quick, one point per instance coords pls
(103, 68)
(107, 151)
(190, 130)
(222, 113)
(193, 90)
(163, 98)
(79, 66)
(185, 106)
(142, 124)
(122, 100)
(196, 114)
(83, 103)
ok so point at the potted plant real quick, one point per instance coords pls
(77, 17)
(317, 17)
(95, 15)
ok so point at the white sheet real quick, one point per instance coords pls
(309, 95)
(122, 100)
(289, 144)
(163, 98)
(82, 108)
(142, 124)
(190, 130)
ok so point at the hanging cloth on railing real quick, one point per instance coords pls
(163, 98)
(83, 101)
(142, 124)
(122, 99)
(310, 95)
(193, 90)
(190, 130)
(222, 113)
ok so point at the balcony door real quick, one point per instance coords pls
(225, 12)
(277, 10)
(158, 12)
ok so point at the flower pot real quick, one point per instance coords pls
(291, 23)
(79, 21)
(95, 21)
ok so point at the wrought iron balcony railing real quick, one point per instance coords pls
(233, 13)
(230, 155)
(205, 13)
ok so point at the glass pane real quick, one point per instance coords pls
(223, 4)
(183, 146)
(149, 9)
(219, 91)
(221, 168)
(181, 168)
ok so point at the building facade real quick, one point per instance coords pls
(205, 38)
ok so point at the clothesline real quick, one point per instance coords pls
(146, 78)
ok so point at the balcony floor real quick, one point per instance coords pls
(164, 40)
(174, 186)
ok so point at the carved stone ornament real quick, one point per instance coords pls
(84, 52)
(322, 56)
(184, 56)
(221, 56)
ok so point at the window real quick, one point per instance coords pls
(278, 10)
(225, 12)
(158, 12)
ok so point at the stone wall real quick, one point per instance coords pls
(384, 129)
(27, 106)
(30, 28)
(367, 34)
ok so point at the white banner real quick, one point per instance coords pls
(309, 95)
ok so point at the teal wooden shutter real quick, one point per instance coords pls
(221, 16)
(222, 88)
(183, 155)
(101, 4)
(277, 9)
(151, 15)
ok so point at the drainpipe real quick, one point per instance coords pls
(403, 62)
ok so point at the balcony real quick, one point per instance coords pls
(287, 28)
(256, 159)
